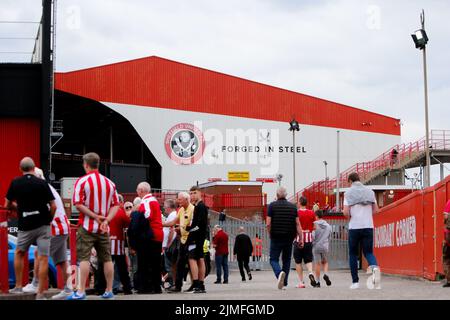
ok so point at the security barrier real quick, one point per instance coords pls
(338, 256)
(408, 233)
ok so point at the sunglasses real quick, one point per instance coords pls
(127, 208)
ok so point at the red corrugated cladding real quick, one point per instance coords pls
(157, 82)
(18, 138)
(421, 253)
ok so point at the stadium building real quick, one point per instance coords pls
(174, 124)
(180, 125)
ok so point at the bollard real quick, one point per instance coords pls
(73, 256)
(60, 277)
(4, 273)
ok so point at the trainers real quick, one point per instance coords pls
(447, 285)
(281, 278)
(225, 281)
(40, 296)
(376, 274)
(30, 288)
(354, 286)
(173, 290)
(190, 290)
(107, 295)
(16, 290)
(301, 286)
(312, 280)
(76, 296)
(199, 290)
(62, 295)
(327, 280)
(218, 282)
(317, 285)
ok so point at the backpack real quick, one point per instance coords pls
(139, 231)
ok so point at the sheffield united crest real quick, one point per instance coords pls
(184, 143)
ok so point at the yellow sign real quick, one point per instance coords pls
(238, 175)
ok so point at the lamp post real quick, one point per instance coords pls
(294, 126)
(420, 40)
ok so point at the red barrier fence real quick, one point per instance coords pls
(4, 283)
(408, 233)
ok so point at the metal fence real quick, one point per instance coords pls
(338, 255)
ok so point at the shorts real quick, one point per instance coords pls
(304, 254)
(195, 253)
(87, 240)
(321, 256)
(41, 236)
(58, 248)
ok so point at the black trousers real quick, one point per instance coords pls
(207, 263)
(243, 263)
(181, 266)
(142, 284)
(155, 265)
(149, 267)
(121, 262)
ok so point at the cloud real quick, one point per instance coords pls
(354, 52)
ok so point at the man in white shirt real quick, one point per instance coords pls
(170, 244)
(360, 204)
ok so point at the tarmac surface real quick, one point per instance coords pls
(264, 287)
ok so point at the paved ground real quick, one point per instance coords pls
(263, 286)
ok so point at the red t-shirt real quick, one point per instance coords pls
(116, 232)
(307, 218)
(221, 242)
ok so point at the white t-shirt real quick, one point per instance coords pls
(166, 230)
(360, 216)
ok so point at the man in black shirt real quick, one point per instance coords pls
(197, 235)
(34, 202)
(243, 249)
(283, 225)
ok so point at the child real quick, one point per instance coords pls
(321, 237)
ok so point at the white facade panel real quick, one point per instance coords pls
(258, 145)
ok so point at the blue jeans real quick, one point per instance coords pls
(284, 248)
(363, 237)
(222, 262)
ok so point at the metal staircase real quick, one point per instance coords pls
(408, 155)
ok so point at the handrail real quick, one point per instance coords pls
(439, 140)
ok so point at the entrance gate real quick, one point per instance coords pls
(338, 255)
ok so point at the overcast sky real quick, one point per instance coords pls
(354, 52)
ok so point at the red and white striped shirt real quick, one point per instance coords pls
(60, 223)
(117, 247)
(307, 218)
(307, 236)
(96, 192)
